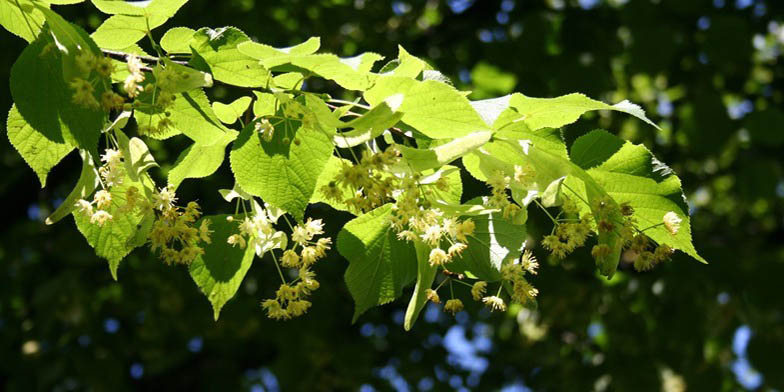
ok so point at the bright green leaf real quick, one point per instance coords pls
(284, 175)
(380, 265)
(40, 152)
(433, 108)
(198, 161)
(228, 114)
(221, 269)
(177, 40)
(217, 50)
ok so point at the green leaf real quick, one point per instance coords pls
(380, 265)
(228, 114)
(368, 126)
(284, 175)
(426, 274)
(407, 65)
(430, 158)
(24, 22)
(177, 40)
(122, 31)
(165, 8)
(263, 52)
(198, 161)
(40, 153)
(556, 112)
(191, 114)
(433, 108)
(221, 269)
(331, 170)
(350, 73)
(87, 183)
(217, 51)
(44, 98)
(264, 105)
(138, 159)
(179, 78)
(495, 240)
(630, 173)
(116, 238)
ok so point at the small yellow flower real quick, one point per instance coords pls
(309, 255)
(300, 235)
(453, 306)
(438, 257)
(432, 296)
(478, 290)
(529, 263)
(432, 235)
(298, 308)
(236, 239)
(204, 230)
(84, 206)
(672, 222)
(494, 303)
(290, 259)
(464, 229)
(100, 217)
(456, 249)
(102, 199)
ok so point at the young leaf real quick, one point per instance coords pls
(44, 98)
(190, 114)
(24, 20)
(217, 51)
(629, 173)
(122, 31)
(261, 51)
(40, 152)
(434, 108)
(556, 112)
(283, 174)
(115, 239)
(380, 265)
(228, 114)
(331, 170)
(177, 40)
(199, 161)
(221, 269)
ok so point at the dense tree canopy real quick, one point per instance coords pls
(707, 72)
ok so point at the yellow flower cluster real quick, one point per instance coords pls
(369, 181)
(568, 236)
(514, 272)
(291, 299)
(174, 234)
(83, 89)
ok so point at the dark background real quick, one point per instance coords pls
(707, 71)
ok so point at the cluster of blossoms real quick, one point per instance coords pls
(568, 236)
(174, 233)
(112, 172)
(370, 181)
(91, 69)
(131, 85)
(291, 298)
(500, 183)
(571, 233)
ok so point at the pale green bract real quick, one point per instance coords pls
(292, 148)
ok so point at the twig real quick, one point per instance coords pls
(394, 130)
(124, 56)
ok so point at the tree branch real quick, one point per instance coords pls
(117, 55)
